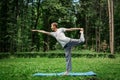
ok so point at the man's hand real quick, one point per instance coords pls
(42, 31)
(34, 30)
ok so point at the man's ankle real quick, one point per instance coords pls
(81, 32)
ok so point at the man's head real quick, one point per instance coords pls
(54, 26)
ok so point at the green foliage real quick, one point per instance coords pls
(17, 18)
(117, 24)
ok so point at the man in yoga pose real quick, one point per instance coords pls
(66, 42)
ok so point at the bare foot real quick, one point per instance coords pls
(66, 73)
(81, 30)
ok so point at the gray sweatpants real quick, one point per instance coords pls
(67, 48)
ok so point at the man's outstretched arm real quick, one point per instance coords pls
(72, 29)
(41, 31)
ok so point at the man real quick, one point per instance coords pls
(66, 42)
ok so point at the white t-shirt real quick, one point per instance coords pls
(60, 36)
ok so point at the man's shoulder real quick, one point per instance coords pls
(61, 28)
(52, 33)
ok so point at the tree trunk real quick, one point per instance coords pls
(98, 10)
(38, 13)
(86, 31)
(97, 38)
(112, 50)
(97, 32)
(111, 25)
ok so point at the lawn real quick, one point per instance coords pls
(24, 68)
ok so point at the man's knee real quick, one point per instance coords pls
(82, 40)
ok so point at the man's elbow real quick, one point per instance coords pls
(70, 29)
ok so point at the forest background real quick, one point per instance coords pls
(19, 17)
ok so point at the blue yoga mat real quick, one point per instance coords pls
(90, 73)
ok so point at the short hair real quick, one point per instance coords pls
(55, 24)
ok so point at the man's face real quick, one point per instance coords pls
(53, 27)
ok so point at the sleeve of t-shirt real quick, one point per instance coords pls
(52, 34)
(63, 29)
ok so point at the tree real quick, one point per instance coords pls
(111, 25)
(18, 17)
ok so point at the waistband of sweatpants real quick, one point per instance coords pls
(67, 44)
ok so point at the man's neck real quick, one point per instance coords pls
(55, 30)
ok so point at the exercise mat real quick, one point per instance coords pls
(90, 73)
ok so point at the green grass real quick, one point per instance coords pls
(23, 68)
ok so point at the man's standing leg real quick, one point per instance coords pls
(68, 60)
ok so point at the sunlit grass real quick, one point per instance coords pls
(24, 68)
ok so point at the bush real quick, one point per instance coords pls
(51, 55)
(111, 56)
